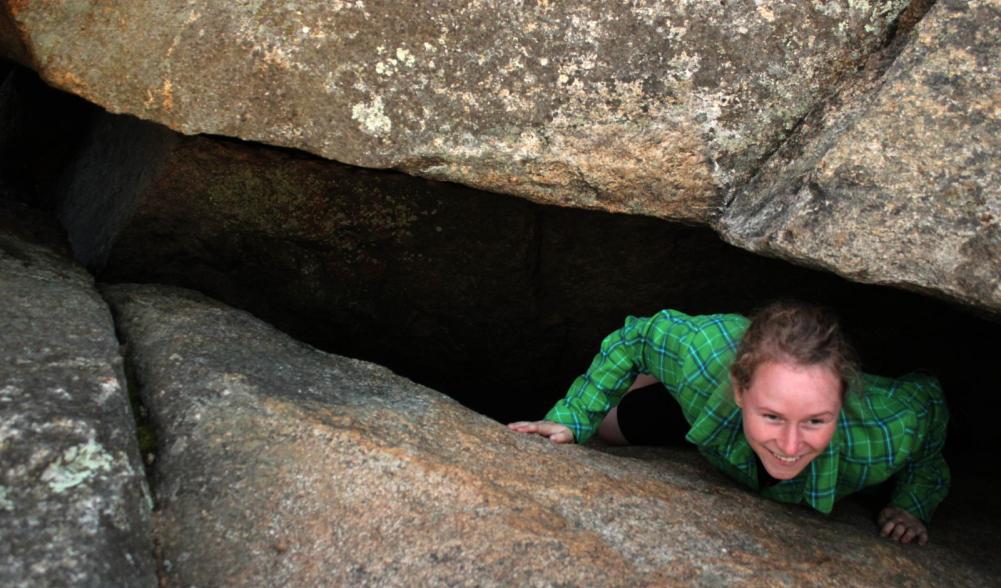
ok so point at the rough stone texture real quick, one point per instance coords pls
(74, 506)
(899, 183)
(652, 107)
(282, 465)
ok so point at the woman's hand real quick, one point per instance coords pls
(900, 525)
(555, 432)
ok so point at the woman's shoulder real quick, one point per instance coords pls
(672, 320)
(887, 416)
(915, 390)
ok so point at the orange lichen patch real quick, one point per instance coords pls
(161, 97)
(167, 93)
(68, 81)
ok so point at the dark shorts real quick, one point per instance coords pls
(651, 416)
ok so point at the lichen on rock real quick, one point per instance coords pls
(74, 506)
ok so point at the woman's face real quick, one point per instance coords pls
(790, 413)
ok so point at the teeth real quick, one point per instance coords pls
(785, 459)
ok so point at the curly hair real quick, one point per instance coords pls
(800, 333)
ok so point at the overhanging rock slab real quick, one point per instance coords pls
(651, 107)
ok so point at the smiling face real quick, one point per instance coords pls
(790, 413)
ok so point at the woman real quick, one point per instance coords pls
(776, 403)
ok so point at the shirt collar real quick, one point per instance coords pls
(719, 427)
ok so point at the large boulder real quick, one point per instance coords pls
(664, 108)
(653, 107)
(897, 182)
(282, 465)
(74, 504)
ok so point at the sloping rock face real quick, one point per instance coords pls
(74, 506)
(281, 465)
(650, 107)
(899, 182)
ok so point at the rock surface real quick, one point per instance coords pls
(282, 465)
(899, 183)
(651, 107)
(74, 506)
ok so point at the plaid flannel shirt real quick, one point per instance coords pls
(892, 427)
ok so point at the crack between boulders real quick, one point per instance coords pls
(911, 20)
(145, 433)
(889, 51)
(146, 437)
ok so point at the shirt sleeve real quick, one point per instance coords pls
(612, 371)
(924, 480)
(686, 354)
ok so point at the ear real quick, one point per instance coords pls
(738, 392)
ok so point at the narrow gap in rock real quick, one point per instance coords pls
(907, 20)
(146, 435)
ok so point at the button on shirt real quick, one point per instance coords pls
(889, 427)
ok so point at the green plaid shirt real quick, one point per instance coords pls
(893, 427)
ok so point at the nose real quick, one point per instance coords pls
(789, 440)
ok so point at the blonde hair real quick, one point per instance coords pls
(800, 333)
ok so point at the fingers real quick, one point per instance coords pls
(917, 535)
(523, 427)
(900, 525)
(898, 532)
(893, 530)
(555, 432)
(908, 535)
(887, 529)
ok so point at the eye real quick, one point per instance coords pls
(770, 417)
(816, 422)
